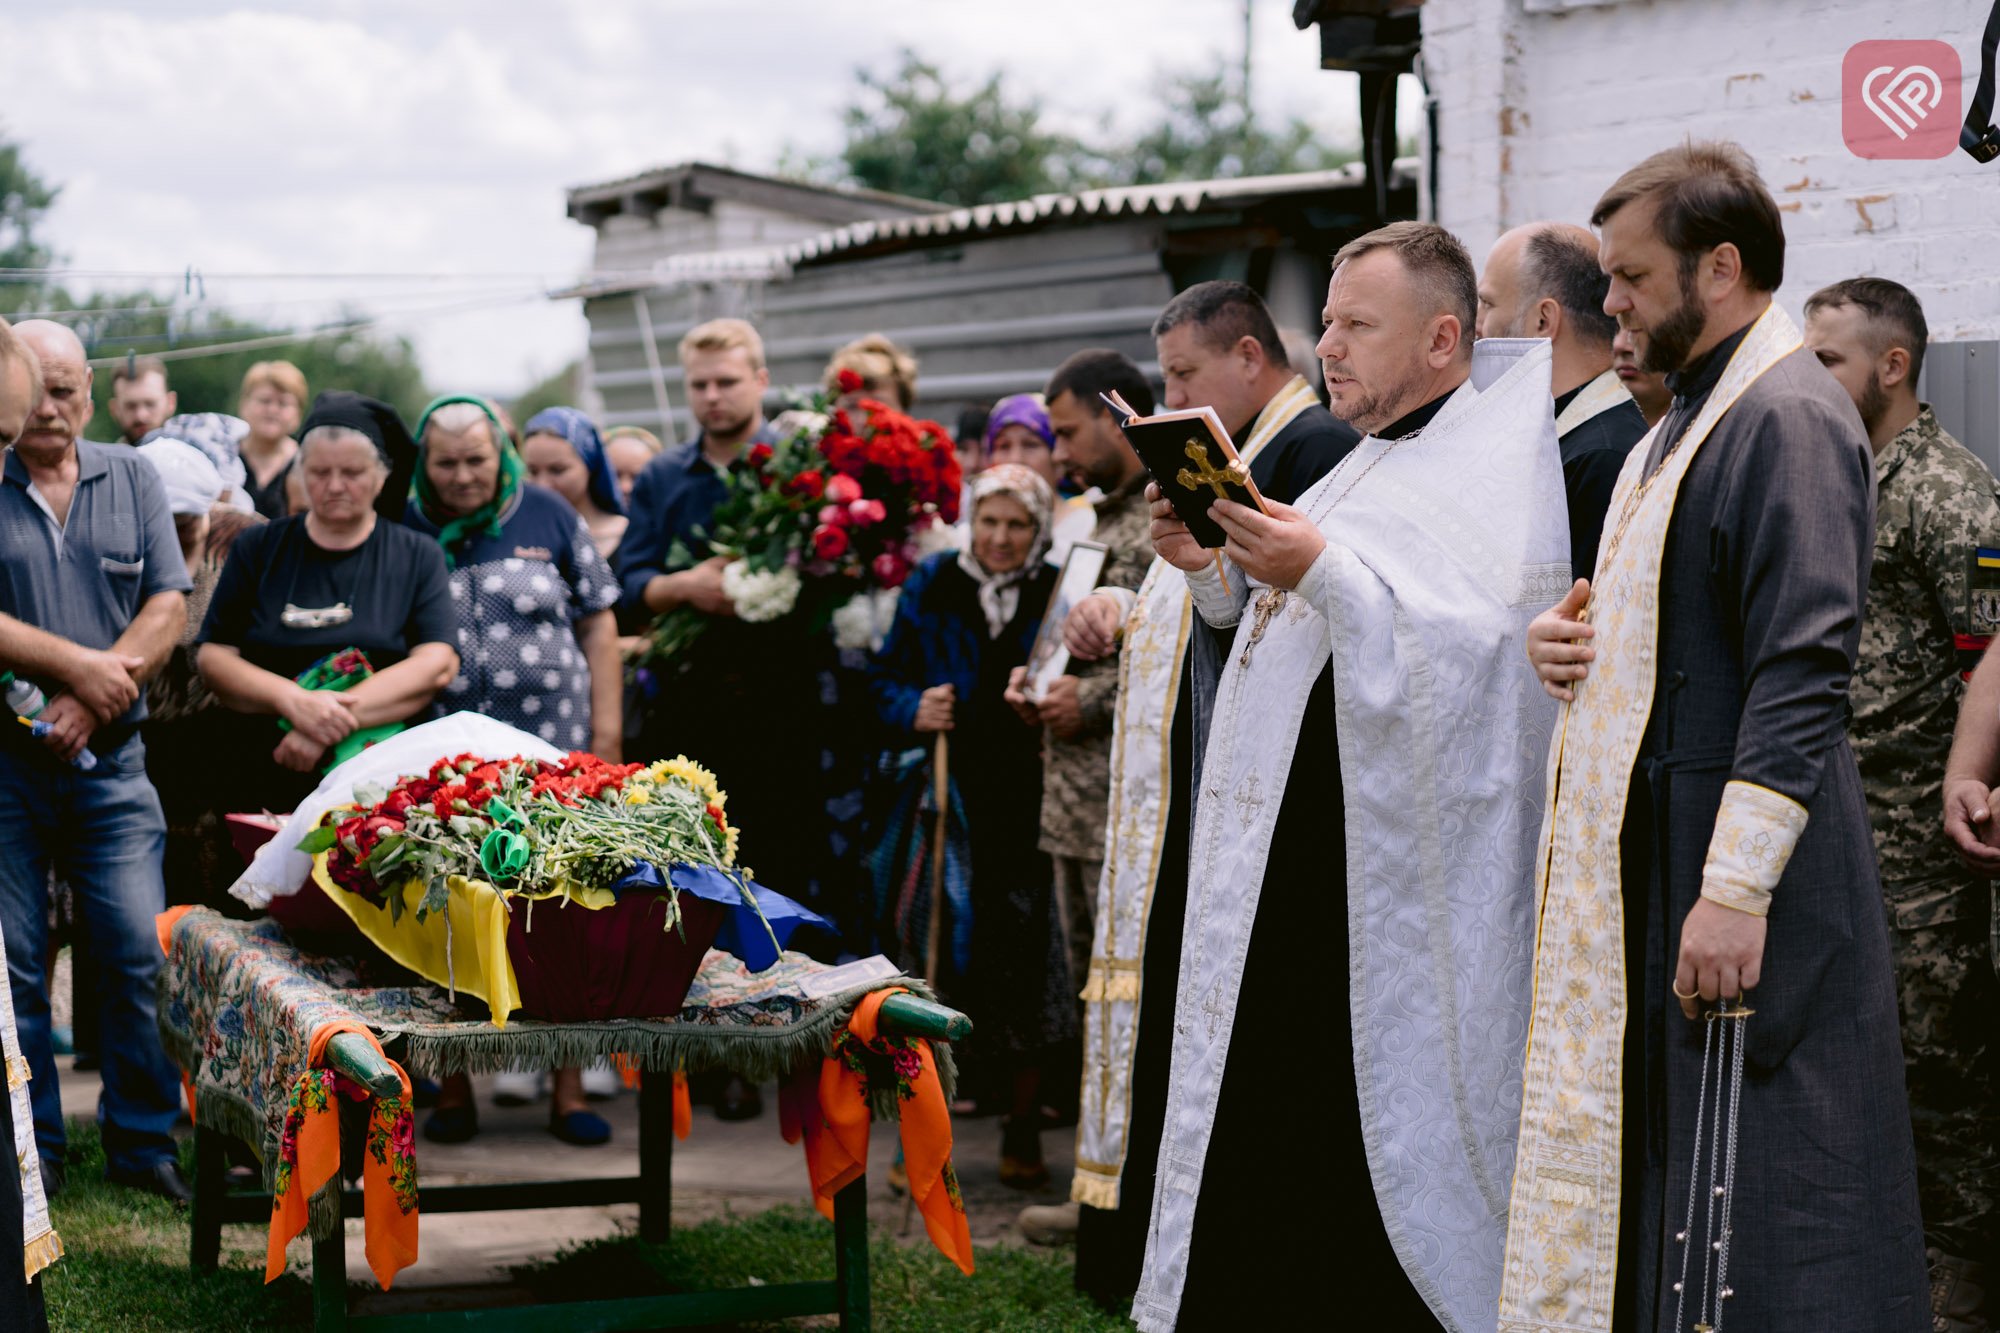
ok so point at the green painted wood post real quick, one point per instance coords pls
(656, 1155)
(205, 1216)
(850, 1256)
(912, 1016)
(350, 1054)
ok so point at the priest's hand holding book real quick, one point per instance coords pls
(1276, 546)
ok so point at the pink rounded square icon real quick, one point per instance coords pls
(1900, 99)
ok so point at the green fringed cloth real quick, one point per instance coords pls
(239, 1002)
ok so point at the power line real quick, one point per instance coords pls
(179, 275)
(322, 331)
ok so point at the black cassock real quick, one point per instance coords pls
(1255, 1141)
(1762, 586)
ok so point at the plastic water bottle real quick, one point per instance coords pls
(27, 701)
(24, 697)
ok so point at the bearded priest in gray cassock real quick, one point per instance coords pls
(1365, 813)
(1707, 836)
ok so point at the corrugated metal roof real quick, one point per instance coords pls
(1132, 201)
(1121, 201)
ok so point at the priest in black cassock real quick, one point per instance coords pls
(1541, 280)
(1706, 835)
(1218, 347)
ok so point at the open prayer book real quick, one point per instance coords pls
(1193, 461)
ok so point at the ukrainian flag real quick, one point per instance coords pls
(1988, 558)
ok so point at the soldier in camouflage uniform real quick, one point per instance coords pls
(1933, 604)
(1077, 711)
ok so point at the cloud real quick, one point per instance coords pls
(366, 137)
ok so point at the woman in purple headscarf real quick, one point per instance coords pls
(564, 452)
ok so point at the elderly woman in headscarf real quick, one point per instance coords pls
(537, 643)
(305, 589)
(1018, 432)
(561, 449)
(964, 621)
(180, 728)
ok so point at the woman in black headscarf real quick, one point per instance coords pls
(346, 574)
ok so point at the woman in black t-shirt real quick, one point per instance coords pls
(335, 577)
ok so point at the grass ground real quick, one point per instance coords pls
(126, 1270)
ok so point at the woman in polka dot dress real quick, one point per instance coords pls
(537, 644)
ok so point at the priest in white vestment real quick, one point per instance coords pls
(1360, 862)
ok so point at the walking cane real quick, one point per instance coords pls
(941, 798)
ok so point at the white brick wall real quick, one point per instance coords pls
(1542, 103)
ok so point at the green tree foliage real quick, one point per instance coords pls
(916, 132)
(144, 324)
(24, 198)
(558, 390)
(1204, 135)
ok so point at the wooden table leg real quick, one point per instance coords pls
(211, 1167)
(330, 1282)
(850, 1255)
(656, 1155)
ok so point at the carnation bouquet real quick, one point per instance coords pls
(577, 829)
(826, 523)
(636, 864)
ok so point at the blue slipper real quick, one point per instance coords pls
(452, 1124)
(581, 1128)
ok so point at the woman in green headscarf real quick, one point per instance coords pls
(537, 645)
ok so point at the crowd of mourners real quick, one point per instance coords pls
(167, 591)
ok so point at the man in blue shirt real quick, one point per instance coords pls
(723, 362)
(732, 700)
(91, 603)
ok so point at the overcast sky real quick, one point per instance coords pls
(355, 137)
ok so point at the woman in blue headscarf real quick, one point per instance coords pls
(563, 451)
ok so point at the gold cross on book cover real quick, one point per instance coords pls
(1194, 463)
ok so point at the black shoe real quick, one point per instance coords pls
(86, 1061)
(452, 1124)
(162, 1178)
(53, 1178)
(740, 1100)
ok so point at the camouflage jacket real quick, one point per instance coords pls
(1933, 602)
(1076, 773)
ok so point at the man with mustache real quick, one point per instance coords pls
(1707, 837)
(91, 605)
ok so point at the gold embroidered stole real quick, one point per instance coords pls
(1562, 1235)
(1598, 397)
(41, 1246)
(1135, 825)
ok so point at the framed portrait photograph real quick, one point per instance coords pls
(1080, 572)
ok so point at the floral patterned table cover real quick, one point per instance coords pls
(239, 1002)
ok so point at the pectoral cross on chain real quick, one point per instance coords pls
(1204, 473)
(1267, 606)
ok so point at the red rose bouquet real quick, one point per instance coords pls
(829, 519)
